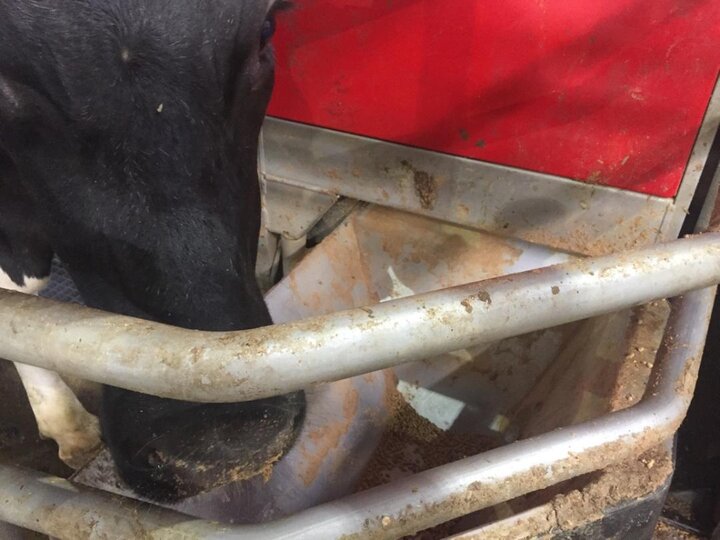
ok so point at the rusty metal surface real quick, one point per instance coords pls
(236, 366)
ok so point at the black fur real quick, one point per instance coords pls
(131, 129)
(24, 248)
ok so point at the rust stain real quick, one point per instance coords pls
(425, 185)
(484, 296)
(437, 246)
(327, 438)
(332, 173)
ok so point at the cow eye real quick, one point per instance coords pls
(269, 26)
(268, 30)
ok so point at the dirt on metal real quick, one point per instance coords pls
(665, 531)
(425, 185)
(611, 487)
(630, 233)
(569, 511)
(626, 481)
(643, 338)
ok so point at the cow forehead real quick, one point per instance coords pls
(162, 44)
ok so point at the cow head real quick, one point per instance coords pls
(132, 126)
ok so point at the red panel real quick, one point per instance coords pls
(610, 91)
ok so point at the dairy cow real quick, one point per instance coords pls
(128, 149)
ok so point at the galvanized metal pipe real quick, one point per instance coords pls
(238, 366)
(54, 507)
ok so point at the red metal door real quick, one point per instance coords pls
(608, 92)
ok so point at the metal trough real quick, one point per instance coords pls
(245, 365)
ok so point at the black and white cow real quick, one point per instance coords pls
(128, 148)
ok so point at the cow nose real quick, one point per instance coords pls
(191, 448)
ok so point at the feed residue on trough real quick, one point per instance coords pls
(412, 444)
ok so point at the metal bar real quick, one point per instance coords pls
(698, 160)
(54, 507)
(709, 219)
(566, 214)
(236, 366)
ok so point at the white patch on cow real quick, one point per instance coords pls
(58, 412)
(60, 415)
(30, 285)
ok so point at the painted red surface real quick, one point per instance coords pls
(611, 91)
